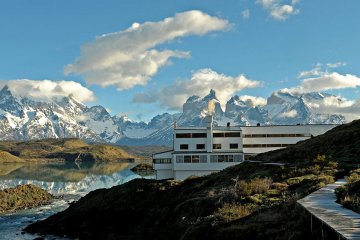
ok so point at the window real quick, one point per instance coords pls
(187, 159)
(213, 158)
(200, 146)
(203, 158)
(238, 158)
(183, 135)
(195, 159)
(232, 134)
(221, 134)
(199, 135)
(162, 161)
(234, 146)
(184, 146)
(180, 159)
(221, 158)
(216, 146)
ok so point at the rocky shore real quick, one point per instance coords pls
(23, 197)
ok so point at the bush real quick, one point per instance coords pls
(279, 186)
(231, 212)
(254, 186)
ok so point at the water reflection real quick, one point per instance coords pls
(67, 178)
(66, 172)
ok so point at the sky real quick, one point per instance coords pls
(142, 58)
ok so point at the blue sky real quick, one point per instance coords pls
(263, 40)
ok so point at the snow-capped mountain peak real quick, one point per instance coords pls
(24, 118)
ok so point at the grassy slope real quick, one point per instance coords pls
(23, 196)
(235, 203)
(61, 149)
(341, 144)
(6, 157)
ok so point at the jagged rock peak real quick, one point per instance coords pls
(5, 89)
(210, 96)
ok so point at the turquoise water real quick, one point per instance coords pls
(66, 181)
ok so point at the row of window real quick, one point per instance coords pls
(265, 145)
(191, 135)
(226, 158)
(275, 135)
(204, 135)
(191, 159)
(162, 161)
(215, 146)
(203, 158)
(238, 134)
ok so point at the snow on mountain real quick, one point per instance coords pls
(87, 184)
(289, 108)
(244, 114)
(24, 118)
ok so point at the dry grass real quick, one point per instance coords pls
(230, 212)
(6, 157)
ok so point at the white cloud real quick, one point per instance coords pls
(336, 105)
(320, 70)
(129, 58)
(327, 81)
(290, 114)
(47, 90)
(253, 101)
(316, 71)
(336, 65)
(246, 14)
(279, 10)
(200, 83)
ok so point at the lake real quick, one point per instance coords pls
(68, 182)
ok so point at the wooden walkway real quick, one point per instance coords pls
(321, 205)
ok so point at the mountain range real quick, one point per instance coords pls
(22, 118)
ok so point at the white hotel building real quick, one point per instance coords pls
(200, 151)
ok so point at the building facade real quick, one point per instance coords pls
(201, 151)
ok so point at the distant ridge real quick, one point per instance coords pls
(28, 119)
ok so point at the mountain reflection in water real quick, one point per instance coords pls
(68, 178)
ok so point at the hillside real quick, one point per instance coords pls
(247, 201)
(341, 144)
(60, 150)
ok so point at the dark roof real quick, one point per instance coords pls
(202, 152)
(162, 152)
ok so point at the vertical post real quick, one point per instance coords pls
(210, 135)
(322, 231)
(311, 223)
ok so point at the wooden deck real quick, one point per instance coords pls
(321, 204)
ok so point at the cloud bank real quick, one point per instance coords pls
(201, 81)
(47, 90)
(128, 58)
(253, 101)
(326, 81)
